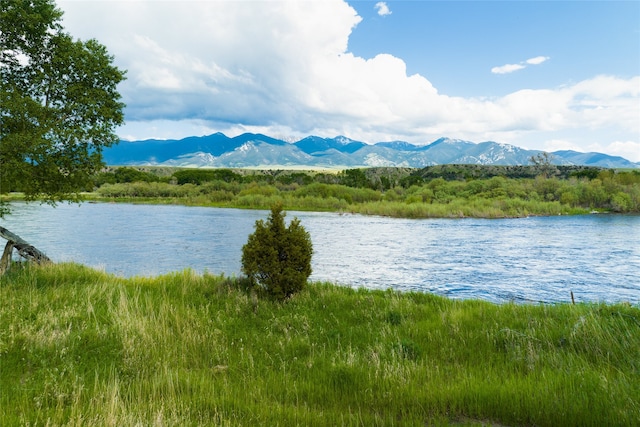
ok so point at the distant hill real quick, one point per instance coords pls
(257, 150)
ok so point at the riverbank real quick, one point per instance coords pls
(446, 191)
(449, 191)
(80, 347)
(459, 209)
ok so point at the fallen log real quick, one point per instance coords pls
(25, 250)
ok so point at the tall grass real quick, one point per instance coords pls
(80, 347)
(466, 208)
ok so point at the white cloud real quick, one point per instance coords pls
(507, 68)
(560, 144)
(628, 149)
(283, 68)
(537, 60)
(382, 8)
(510, 68)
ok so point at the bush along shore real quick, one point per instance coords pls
(81, 347)
(449, 191)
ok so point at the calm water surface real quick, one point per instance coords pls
(528, 259)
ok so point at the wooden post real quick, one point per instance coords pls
(24, 249)
(5, 261)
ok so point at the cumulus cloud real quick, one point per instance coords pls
(283, 68)
(382, 8)
(510, 68)
(628, 149)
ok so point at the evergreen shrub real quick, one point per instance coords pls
(277, 258)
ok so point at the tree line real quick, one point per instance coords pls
(444, 190)
(380, 178)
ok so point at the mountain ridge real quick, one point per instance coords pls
(258, 150)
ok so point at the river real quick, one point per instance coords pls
(537, 259)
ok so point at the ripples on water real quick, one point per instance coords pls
(523, 260)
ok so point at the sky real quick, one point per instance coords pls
(543, 75)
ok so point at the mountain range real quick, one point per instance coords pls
(257, 150)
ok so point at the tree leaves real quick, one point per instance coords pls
(60, 103)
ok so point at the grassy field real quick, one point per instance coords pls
(79, 347)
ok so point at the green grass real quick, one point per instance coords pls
(81, 347)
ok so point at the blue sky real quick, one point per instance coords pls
(544, 75)
(455, 44)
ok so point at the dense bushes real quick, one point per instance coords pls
(124, 175)
(496, 196)
(350, 195)
(199, 176)
(147, 190)
(468, 172)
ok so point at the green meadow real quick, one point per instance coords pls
(79, 347)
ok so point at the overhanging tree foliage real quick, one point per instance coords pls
(276, 257)
(59, 104)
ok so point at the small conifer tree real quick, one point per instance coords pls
(277, 258)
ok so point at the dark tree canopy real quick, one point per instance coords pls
(59, 103)
(276, 257)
